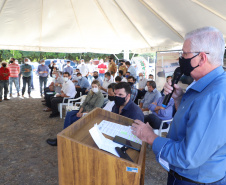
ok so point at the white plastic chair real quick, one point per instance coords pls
(60, 106)
(161, 130)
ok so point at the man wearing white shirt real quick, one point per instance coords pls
(106, 82)
(68, 91)
(111, 97)
(84, 69)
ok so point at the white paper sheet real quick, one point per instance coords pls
(102, 142)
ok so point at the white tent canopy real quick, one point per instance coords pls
(104, 26)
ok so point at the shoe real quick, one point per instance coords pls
(52, 142)
(11, 95)
(47, 109)
(18, 94)
(54, 115)
(6, 99)
(29, 95)
(0, 100)
(44, 104)
(43, 100)
(22, 95)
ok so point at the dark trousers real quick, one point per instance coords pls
(174, 181)
(70, 118)
(54, 104)
(80, 90)
(4, 84)
(42, 80)
(140, 95)
(154, 121)
(26, 80)
(48, 99)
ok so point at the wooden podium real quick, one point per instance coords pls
(81, 162)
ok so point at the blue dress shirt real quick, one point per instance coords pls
(195, 146)
(23, 68)
(150, 97)
(131, 110)
(132, 71)
(43, 68)
(83, 83)
(68, 69)
(163, 114)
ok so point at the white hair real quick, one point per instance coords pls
(209, 40)
(27, 59)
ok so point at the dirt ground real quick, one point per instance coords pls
(26, 158)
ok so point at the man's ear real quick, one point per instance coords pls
(204, 58)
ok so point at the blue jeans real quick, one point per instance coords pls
(173, 181)
(41, 81)
(16, 83)
(32, 84)
(70, 118)
(4, 84)
(26, 80)
(101, 75)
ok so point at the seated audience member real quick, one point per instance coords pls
(83, 85)
(159, 113)
(54, 87)
(132, 81)
(142, 82)
(150, 77)
(68, 91)
(118, 79)
(127, 74)
(74, 78)
(123, 103)
(111, 97)
(152, 95)
(107, 81)
(122, 76)
(167, 79)
(94, 99)
(96, 77)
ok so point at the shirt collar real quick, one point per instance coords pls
(207, 79)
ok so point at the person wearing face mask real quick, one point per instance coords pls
(68, 68)
(102, 69)
(4, 80)
(123, 104)
(96, 77)
(127, 74)
(123, 67)
(150, 77)
(14, 74)
(42, 72)
(107, 81)
(132, 81)
(75, 78)
(142, 82)
(54, 88)
(195, 145)
(84, 69)
(52, 67)
(83, 85)
(68, 91)
(94, 99)
(111, 97)
(152, 95)
(26, 72)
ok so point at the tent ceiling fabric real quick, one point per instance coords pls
(104, 26)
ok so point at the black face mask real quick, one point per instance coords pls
(119, 100)
(111, 98)
(130, 83)
(95, 77)
(3, 65)
(185, 65)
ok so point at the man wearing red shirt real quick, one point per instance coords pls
(13, 78)
(4, 80)
(102, 68)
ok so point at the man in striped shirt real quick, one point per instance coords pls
(13, 78)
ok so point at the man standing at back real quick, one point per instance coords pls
(26, 71)
(43, 72)
(131, 69)
(13, 78)
(68, 68)
(195, 147)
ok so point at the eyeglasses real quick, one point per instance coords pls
(186, 53)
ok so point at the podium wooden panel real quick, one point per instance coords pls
(80, 162)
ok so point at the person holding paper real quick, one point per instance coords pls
(195, 147)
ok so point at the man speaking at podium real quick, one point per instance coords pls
(195, 147)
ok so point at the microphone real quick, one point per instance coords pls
(176, 77)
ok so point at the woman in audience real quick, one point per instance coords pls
(94, 99)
